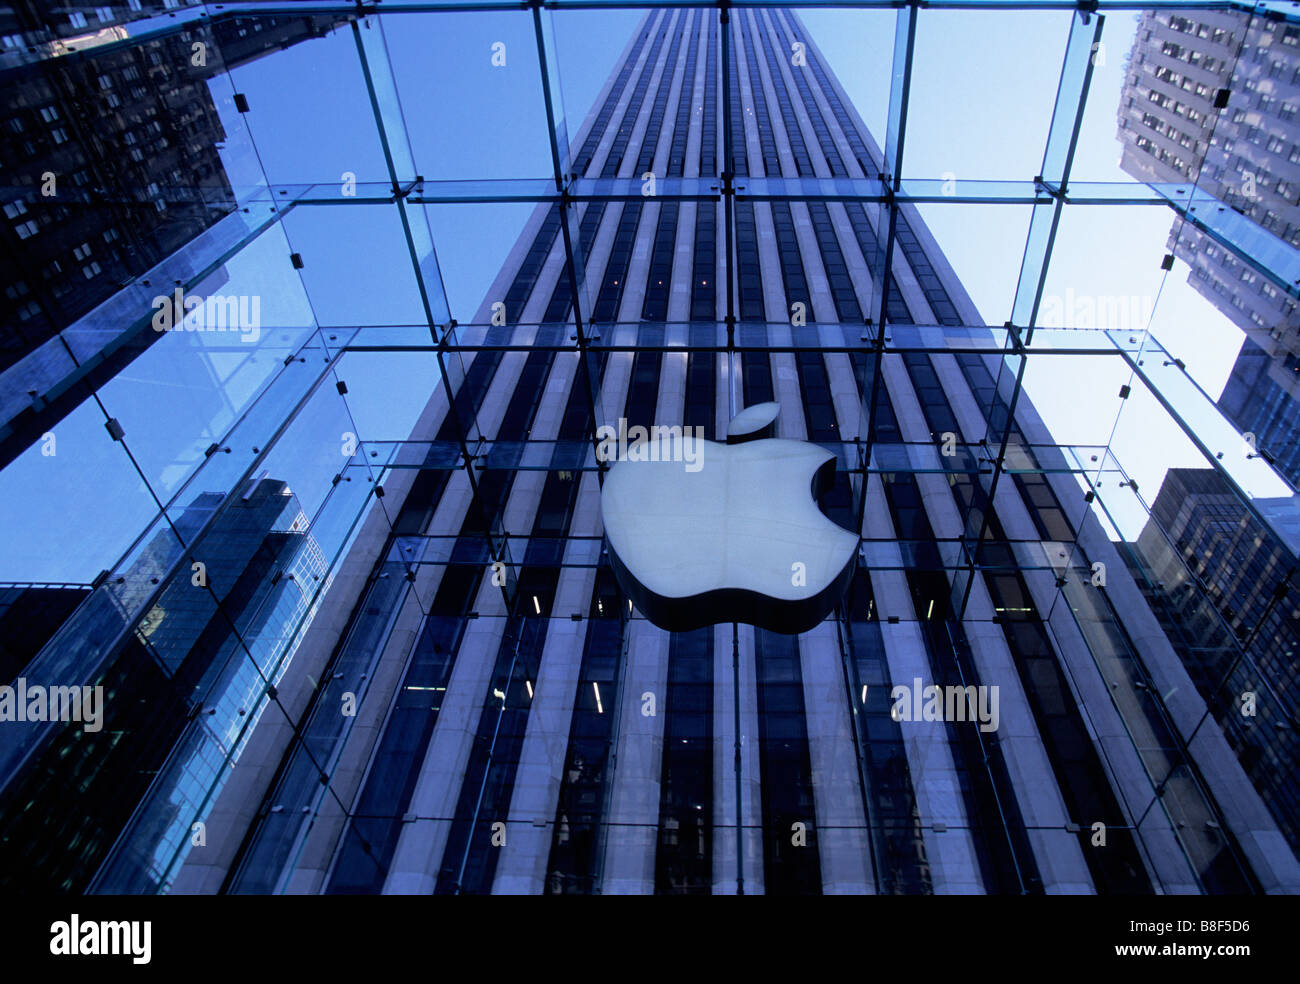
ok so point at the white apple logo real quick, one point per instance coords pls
(739, 538)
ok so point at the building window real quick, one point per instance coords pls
(77, 18)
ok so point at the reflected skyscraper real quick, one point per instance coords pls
(178, 697)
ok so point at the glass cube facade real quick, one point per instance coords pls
(315, 314)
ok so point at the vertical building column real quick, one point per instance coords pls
(632, 837)
(418, 856)
(949, 849)
(954, 867)
(632, 833)
(843, 842)
(521, 869)
(1056, 850)
(727, 840)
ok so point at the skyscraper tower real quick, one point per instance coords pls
(522, 729)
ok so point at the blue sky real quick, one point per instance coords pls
(983, 89)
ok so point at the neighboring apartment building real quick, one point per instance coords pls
(110, 162)
(1213, 97)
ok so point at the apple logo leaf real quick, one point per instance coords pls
(753, 423)
(702, 533)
